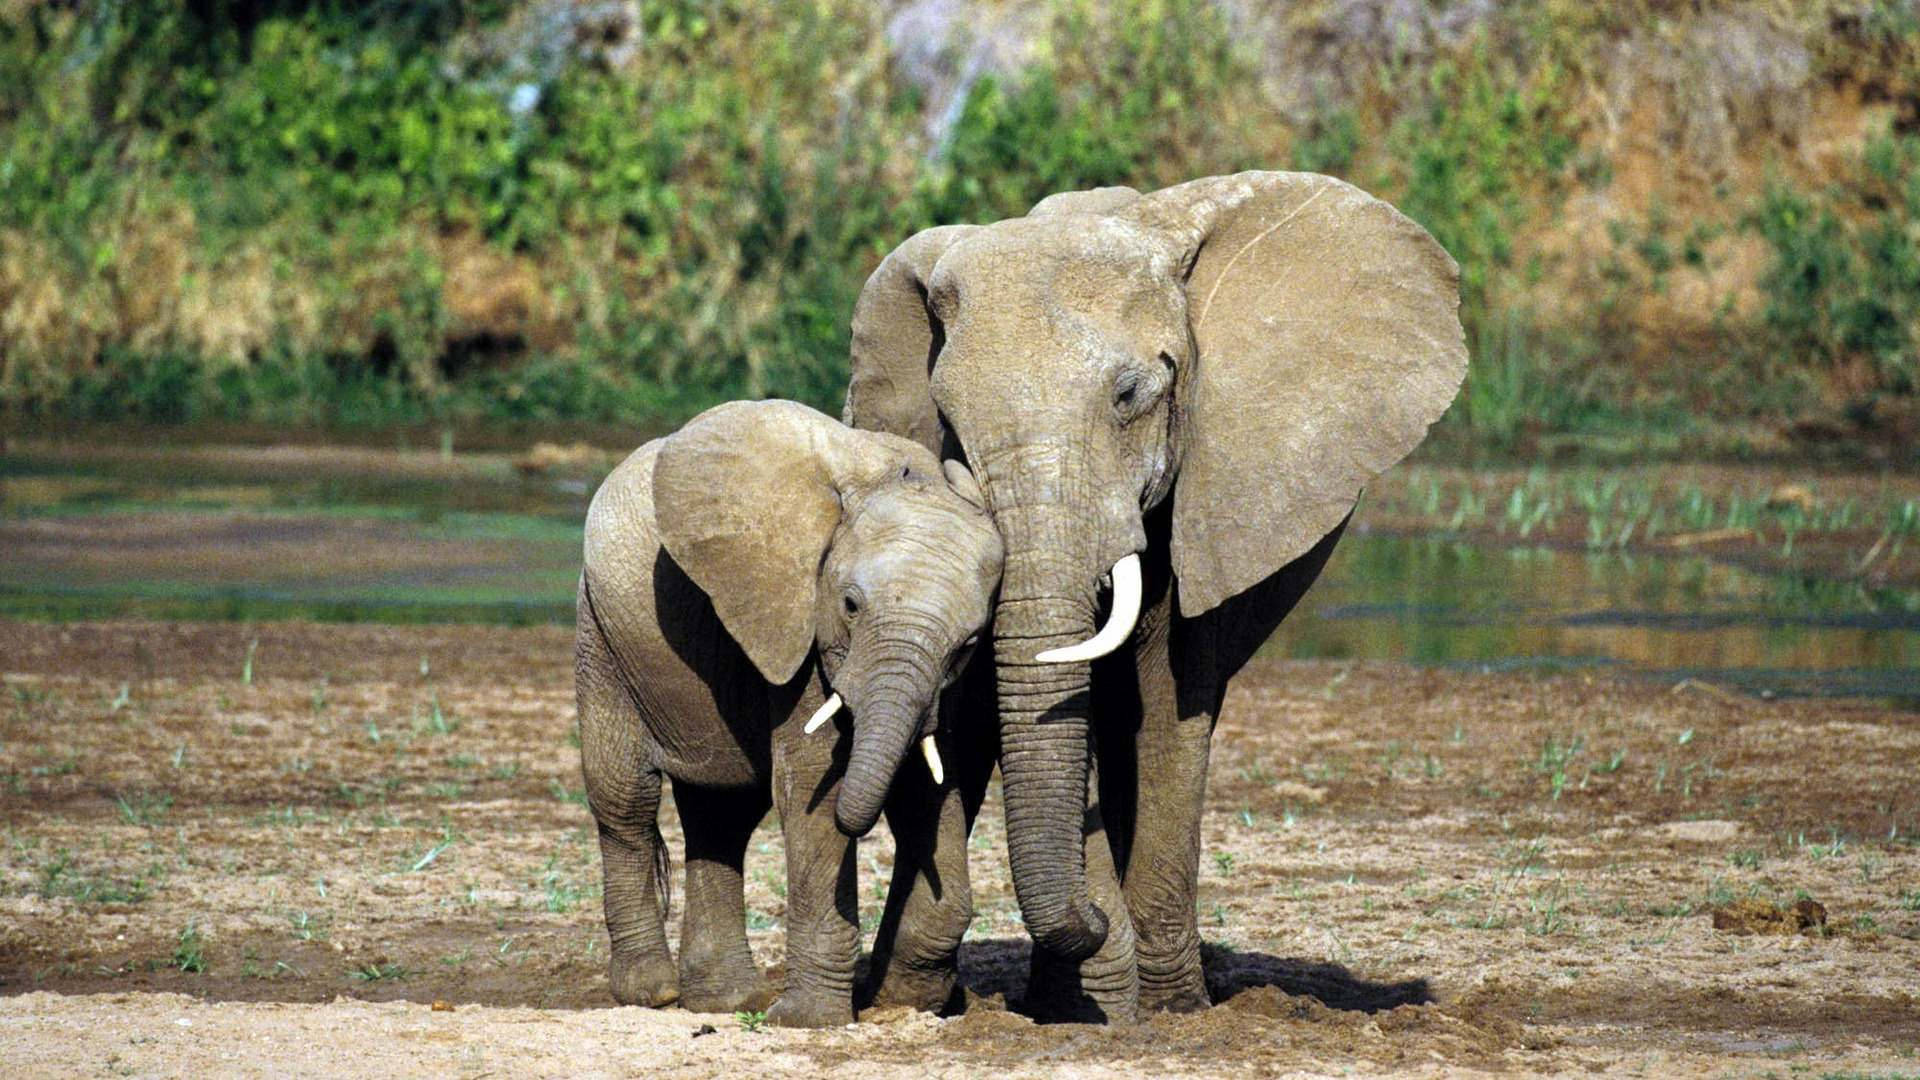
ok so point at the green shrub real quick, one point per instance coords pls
(1468, 159)
(1844, 284)
(317, 214)
(1142, 96)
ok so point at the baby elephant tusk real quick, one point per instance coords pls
(1126, 611)
(822, 714)
(932, 754)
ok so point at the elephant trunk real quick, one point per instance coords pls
(889, 711)
(1046, 602)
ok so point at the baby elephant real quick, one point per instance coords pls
(745, 578)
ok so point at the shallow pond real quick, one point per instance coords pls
(273, 537)
(1433, 601)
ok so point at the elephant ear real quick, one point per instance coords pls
(895, 340)
(1327, 339)
(1101, 200)
(746, 501)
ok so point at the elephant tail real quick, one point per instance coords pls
(662, 872)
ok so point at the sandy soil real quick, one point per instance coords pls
(1406, 871)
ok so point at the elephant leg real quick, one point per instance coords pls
(1163, 874)
(1181, 668)
(1105, 987)
(823, 913)
(929, 901)
(623, 792)
(717, 971)
(1162, 860)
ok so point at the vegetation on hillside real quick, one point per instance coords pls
(314, 213)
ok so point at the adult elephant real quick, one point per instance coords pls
(1185, 390)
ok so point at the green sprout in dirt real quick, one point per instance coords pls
(437, 720)
(751, 1021)
(561, 893)
(1258, 773)
(58, 877)
(1548, 906)
(433, 853)
(1835, 846)
(1556, 754)
(143, 808)
(1902, 525)
(1870, 864)
(378, 971)
(188, 954)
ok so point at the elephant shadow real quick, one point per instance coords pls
(998, 967)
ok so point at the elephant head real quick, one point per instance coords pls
(1253, 347)
(808, 534)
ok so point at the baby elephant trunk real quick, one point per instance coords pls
(889, 715)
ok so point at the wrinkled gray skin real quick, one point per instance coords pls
(1204, 376)
(735, 571)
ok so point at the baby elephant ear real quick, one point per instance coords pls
(746, 503)
(1100, 200)
(1327, 339)
(960, 479)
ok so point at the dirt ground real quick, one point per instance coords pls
(273, 849)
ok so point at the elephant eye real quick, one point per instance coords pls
(850, 604)
(1134, 392)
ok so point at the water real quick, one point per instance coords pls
(265, 535)
(1442, 603)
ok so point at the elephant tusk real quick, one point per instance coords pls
(932, 754)
(1126, 611)
(822, 714)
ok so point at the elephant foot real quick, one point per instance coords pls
(917, 988)
(1062, 992)
(643, 979)
(749, 997)
(729, 986)
(811, 1009)
(1180, 997)
(1176, 984)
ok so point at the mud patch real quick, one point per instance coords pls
(1752, 916)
